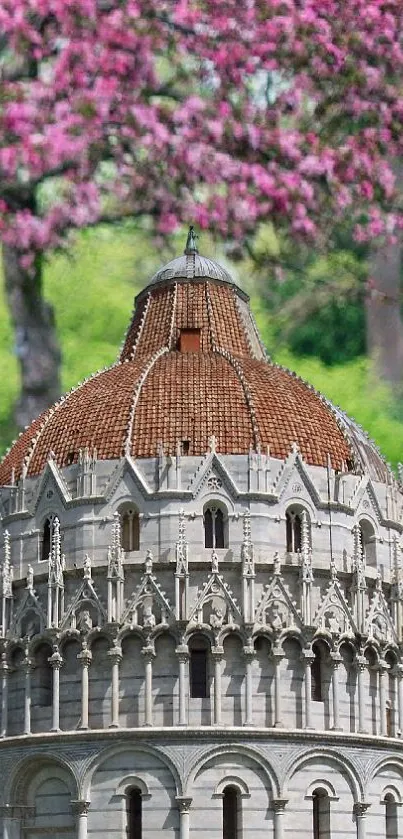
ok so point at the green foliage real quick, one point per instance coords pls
(93, 290)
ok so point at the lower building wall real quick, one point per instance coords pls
(78, 786)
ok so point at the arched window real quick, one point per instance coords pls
(47, 535)
(198, 661)
(215, 526)
(230, 813)
(368, 544)
(320, 814)
(134, 814)
(391, 817)
(317, 674)
(130, 523)
(293, 521)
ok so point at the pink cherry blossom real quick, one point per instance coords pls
(228, 115)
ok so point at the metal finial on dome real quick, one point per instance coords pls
(191, 246)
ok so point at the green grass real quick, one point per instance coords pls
(93, 290)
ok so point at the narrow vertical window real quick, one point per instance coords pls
(219, 529)
(43, 676)
(134, 814)
(47, 538)
(391, 818)
(198, 674)
(320, 814)
(293, 531)
(230, 813)
(208, 529)
(130, 530)
(316, 676)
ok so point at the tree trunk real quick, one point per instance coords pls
(36, 343)
(384, 321)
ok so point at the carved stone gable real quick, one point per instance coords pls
(148, 606)
(333, 614)
(276, 608)
(29, 618)
(215, 604)
(86, 610)
(379, 623)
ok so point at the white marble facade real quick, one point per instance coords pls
(297, 622)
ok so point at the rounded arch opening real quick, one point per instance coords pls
(296, 518)
(215, 523)
(130, 527)
(368, 542)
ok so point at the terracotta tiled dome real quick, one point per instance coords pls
(192, 365)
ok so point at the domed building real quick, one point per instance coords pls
(202, 592)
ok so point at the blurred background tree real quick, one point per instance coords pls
(276, 125)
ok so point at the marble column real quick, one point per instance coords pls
(217, 654)
(4, 695)
(80, 808)
(85, 657)
(308, 658)
(361, 662)
(278, 805)
(399, 675)
(184, 805)
(27, 694)
(249, 654)
(115, 657)
(336, 659)
(382, 676)
(183, 659)
(360, 810)
(149, 654)
(277, 656)
(56, 662)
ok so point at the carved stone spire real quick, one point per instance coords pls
(115, 571)
(182, 548)
(55, 578)
(115, 551)
(6, 585)
(6, 568)
(248, 570)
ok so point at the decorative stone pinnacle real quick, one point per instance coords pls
(191, 245)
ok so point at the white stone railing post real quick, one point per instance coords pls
(115, 657)
(277, 656)
(183, 658)
(217, 654)
(399, 674)
(335, 659)
(278, 805)
(382, 673)
(56, 662)
(308, 658)
(360, 810)
(27, 695)
(249, 654)
(85, 657)
(4, 695)
(184, 805)
(80, 808)
(149, 655)
(361, 662)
